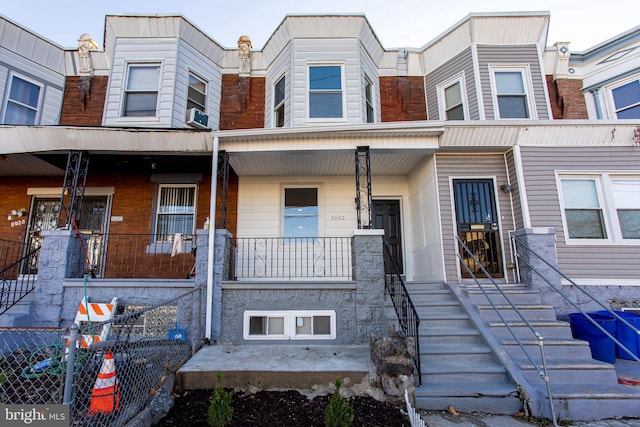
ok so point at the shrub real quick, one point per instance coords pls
(220, 409)
(338, 413)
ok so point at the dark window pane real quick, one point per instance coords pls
(456, 113)
(19, 115)
(513, 107)
(325, 78)
(257, 325)
(630, 113)
(629, 223)
(280, 117)
(321, 325)
(585, 224)
(325, 105)
(300, 197)
(278, 95)
(626, 95)
(24, 92)
(140, 104)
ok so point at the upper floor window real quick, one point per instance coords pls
(325, 91)
(22, 103)
(452, 99)
(368, 99)
(512, 94)
(197, 93)
(278, 102)
(300, 212)
(626, 99)
(141, 93)
(175, 211)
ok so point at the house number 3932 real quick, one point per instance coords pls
(337, 218)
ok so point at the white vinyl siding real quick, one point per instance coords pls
(281, 68)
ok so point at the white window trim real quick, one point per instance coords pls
(609, 211)
(283, 103)
(442, 104)
(157, 204)
(525, 71)
(317, 186)
(198, 76)
(367, 103)
(343, 90)
(123, 94)
(610, 105)
(13, 74)
(289, 324)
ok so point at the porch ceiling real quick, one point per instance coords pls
(27, 165)
(323, 163)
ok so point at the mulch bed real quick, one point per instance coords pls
(280, 408)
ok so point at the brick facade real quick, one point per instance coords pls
(83, 103)
(566, 99)
(242, 105)
(402, 99)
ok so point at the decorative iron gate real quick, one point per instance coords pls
(477, 225)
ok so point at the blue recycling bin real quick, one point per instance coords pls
(602, 347)
(626, 335)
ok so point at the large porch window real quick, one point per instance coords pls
(175, 211)
(300, 212)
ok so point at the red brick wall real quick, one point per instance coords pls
(242, 105)
(402, 99)
(566, 98)
(80, 108)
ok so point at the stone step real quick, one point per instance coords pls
(477, 297)
(570, 371)
(430, 320)
(432, 296)
(460, 371)
(553, 348)
(508, 313)
(474, 353)
(547, 329)
(501, 398)
(449, 336)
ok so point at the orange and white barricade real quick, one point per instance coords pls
(95, 312)
(105, 396)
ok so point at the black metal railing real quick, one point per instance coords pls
(151, 256)
(17, 278)
(405, 310)
(519, 248)
(290, 258)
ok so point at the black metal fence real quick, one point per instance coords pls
(18, 264)
(290, 257)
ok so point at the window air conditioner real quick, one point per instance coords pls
(197, 119)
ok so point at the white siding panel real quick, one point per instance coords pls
(126, 51)
(26, 44)
(280, 66)
(369, 69)
(607, 261)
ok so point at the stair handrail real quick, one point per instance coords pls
(6, 301)
(542, 371)
(516, 243)
(401, 307)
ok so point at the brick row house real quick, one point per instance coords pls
(319, 147)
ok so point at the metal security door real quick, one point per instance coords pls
(477, 224)
(386, 216)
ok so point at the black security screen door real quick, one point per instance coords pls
(477, 225)
(386, 216)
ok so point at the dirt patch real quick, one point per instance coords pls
(280, 408)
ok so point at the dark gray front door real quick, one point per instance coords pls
(386, 216)
(477, 223)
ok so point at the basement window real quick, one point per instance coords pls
(289, 325)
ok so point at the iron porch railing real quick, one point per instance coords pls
(17, 272)
(405, 310)
(290, 258)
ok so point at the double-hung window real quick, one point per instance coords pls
(626, 197)
(175, 212)
(278, 102)
(452, 99)
(300, 212)
(22, 103)
(141, 92)
(626, 99)
(511, 90)
(197, 93)
(582, 208)
(325, 92)
(368, 100)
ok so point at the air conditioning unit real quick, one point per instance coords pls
(197, 119)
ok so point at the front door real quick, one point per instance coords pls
(386, 216)
(477, 224)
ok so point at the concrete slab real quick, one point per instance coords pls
(275, 366)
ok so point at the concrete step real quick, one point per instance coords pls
(472, 354)
(570, 371)
(460, 371)
(547, 329)
(452, 306)
(508, 313)
(553, 348)
(516, 296)
(442, 295)
(501, 398)
(449, 336)
(19, 315)
(430, 320)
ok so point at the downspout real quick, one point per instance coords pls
(596, 101)
(212, 237)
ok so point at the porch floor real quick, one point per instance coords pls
(305, 367)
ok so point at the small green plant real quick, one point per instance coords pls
(220, 409)
(338, 413)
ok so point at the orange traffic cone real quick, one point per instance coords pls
(105, 396)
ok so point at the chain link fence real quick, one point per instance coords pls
(106, 378)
